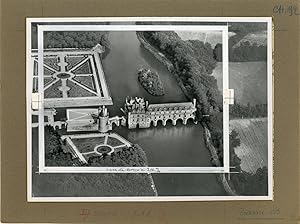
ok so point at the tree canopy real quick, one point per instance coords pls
(78, 39)
(54, 153)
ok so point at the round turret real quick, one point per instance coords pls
(103, 120)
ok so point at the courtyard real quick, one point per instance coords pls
(72, 78)
(95, 144)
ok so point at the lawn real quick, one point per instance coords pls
(258, 38)
(85, 68)
(53, 91)
(87, 144)
(78, 91)
(86, 80)
(114, 142)
(73, 60)
(52, 62)
(48, 80)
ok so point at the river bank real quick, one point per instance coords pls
(207, 135)
(185, 146)
(160, 57)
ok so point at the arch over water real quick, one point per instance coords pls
(190, 120)
(169, 121)
(159, 122)
(179, 120)
(152, 123)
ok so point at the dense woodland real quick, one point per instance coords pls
(250, 111)
(54, 153)
(70, 39)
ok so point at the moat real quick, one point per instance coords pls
(164, 146)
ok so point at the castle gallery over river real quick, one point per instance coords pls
(75, 78)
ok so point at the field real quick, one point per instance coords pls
(248, 79)
(212, 37)
(253, 150)
(258, 38)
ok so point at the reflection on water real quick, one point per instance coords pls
(171, 146)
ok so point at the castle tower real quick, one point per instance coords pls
(103, 118)
(194, 102)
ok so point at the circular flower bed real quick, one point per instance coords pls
(63, 76)
(103, 149)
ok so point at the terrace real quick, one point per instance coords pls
(90, 145)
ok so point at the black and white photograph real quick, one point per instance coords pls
(149, 109)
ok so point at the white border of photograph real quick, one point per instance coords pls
(268, 20)
(50, 169)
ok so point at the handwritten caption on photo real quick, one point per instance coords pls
(286, 9)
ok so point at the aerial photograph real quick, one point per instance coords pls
(149, 99)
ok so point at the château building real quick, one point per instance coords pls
(141, 114)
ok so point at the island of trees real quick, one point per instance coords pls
(151, 82)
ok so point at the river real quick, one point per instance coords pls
(164, 146)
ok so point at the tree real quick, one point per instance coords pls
(54, 153)
(218, 52)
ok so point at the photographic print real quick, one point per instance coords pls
(129, 109)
